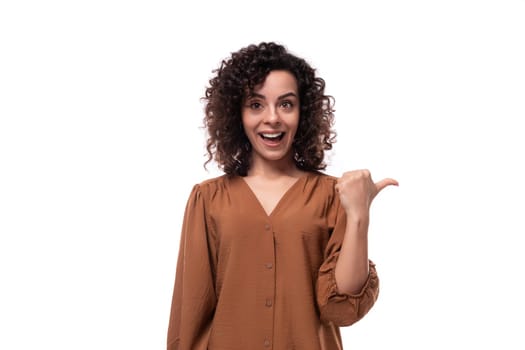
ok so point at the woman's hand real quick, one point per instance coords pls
(357, 190)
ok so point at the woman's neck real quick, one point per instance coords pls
(269, 169)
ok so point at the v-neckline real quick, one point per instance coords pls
(281, 199)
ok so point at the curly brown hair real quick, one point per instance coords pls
(236, 78)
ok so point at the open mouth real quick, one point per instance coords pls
(276, 136)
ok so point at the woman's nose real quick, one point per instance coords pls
(272, 117)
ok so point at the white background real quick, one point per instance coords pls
(100, 145)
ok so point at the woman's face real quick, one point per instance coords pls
(270, 117)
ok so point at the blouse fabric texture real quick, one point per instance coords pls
(249, 280)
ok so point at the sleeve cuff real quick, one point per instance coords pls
(346, 309)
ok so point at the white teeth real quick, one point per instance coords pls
(272, 135)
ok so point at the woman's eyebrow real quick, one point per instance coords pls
(288, 94)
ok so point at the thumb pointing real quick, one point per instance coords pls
(384, 183)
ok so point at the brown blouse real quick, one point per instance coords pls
(247, 280)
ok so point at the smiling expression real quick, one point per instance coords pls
(270, 116)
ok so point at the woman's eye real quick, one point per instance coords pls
(255, 105)
(286, 104)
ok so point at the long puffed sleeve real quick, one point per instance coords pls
(194, 297)
(342, 309)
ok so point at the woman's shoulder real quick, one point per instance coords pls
(320, 185)
(322, 179)
(212, 185)
(203, 183)
(214, 181)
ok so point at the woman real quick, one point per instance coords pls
(273, 254)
